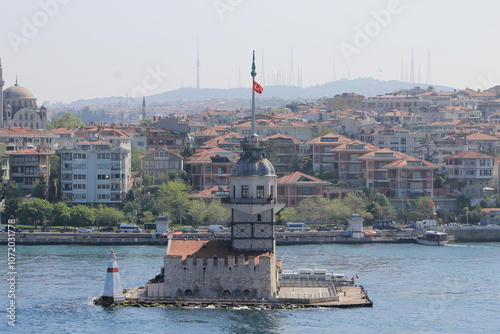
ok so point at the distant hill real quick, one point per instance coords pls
(364, 86)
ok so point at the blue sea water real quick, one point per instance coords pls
(415, 289)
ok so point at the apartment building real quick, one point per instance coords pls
(411, 178)
(27, 166)
(470, 172)
(211, 167)
(321, 149)
(160, 161)
(95, 171)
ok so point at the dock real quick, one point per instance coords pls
(288, 298)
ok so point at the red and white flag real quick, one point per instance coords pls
(257, 88)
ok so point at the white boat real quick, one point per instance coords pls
(316, 275)
(433, 238)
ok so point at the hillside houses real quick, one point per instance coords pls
(396, 143)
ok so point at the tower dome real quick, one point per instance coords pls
(253, 160)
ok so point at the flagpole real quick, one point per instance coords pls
(253, 73)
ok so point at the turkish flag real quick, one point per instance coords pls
(257, 88)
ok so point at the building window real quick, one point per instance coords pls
(244, 191)
(260, 191)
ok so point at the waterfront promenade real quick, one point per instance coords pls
(457, 234)
(113, 238)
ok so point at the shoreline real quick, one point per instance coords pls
(456, 234)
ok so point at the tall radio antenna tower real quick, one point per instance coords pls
(291, 81)
(412, 69)
(429, 79)
(198, 65)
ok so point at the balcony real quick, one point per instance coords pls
(262, 201)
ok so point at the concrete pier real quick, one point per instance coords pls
(289, 298)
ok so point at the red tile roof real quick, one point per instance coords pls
(28, 151)
(298, 177)
(470, 155)
(208, 249)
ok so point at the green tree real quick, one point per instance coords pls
(54, 178)
(216, 213)
(108, 216)
(288, 215)
(340, 212)
(129, 207)
(356, 202)
(136, 158)
(146, 123)
(11, 190)
(307, 210)
(198, 212)
(381, 199)
(322, 131)
(12, 196)
(423, 209)
(39, 190)
(67, 120)
(82, 215)
(187, 151)
(61, 214)
(173, 198)
(35, 211)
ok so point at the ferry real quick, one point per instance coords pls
(315, 275)
(433, 238)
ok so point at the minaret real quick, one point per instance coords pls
(198, 66)
(1, 95)
(253, 201)
(113, 291)
(143, 107)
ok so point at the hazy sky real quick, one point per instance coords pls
(64, 50)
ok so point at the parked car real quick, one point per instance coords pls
(189, 229)
(66, 229)
(323, 228)
(84, 230)
(11, 228)
(215, 228)
(90, 228)
(280, 229)
(107, 229)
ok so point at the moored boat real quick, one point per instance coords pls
(433, 238)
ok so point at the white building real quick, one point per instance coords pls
(95, 172)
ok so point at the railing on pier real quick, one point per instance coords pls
(259, 200)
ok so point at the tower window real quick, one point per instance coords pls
(259, 218)
(244, 192)
(260, 191)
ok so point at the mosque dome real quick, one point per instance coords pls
(17, 92)
(253, 162)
